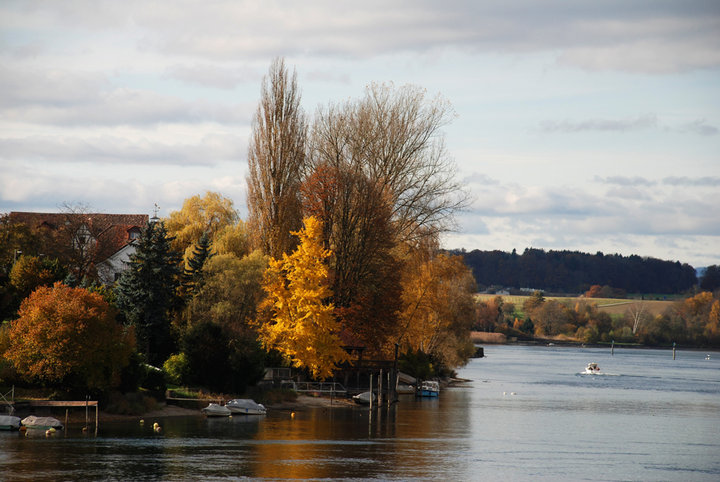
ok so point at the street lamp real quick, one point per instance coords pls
(15, 255)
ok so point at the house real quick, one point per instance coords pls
(91, 241)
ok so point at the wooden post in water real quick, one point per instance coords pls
(97, 409)
(380, 380)
(371, 391)
(673, 350)
(612, 348)
(87, 398)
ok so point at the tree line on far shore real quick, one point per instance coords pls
(575, 272)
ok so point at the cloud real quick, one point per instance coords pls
(646, 36)
(708, 181)
(700, 127)
(625, 181)
(113, 149)
(211, 75)
(648, 121)
(82, 99)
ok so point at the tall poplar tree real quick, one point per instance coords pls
(276, 161)
(146, 291)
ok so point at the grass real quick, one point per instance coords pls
(613, 306)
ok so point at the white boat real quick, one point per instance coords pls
(364, 398)
(215, 410)
(8, 422)
(41, 423)
(428, 388)
(245, 406)
(592, 369)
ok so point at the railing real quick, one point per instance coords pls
(315, 387)
(9, 403)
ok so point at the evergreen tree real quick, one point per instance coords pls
(192, 274)
(146, 291)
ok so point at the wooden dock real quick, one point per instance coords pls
(66, 404)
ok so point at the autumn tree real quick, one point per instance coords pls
(276, 161)
(211, 214)
(438, 310)
(230, 293)
(16, 239)
(146, 291)
(68, 336)
(30, 272)
(302, 326)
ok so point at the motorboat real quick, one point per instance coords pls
(364, 398)
(41, 423)
(428, 388)
(592, 369)
(8, 422)
(216, 410)
(245, 406)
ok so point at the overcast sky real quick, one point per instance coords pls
(581, 125)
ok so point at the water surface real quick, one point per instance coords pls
(528, 414)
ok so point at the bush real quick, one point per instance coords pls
(176, 369)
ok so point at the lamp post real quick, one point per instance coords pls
(15, 255)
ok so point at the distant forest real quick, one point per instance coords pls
(575, 272)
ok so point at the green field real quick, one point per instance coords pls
(614, 306)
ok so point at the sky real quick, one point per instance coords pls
(579, 125)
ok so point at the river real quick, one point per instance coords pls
(527, 414)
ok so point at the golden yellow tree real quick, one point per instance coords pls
(438, 309)
(212, 214)
(303, 326)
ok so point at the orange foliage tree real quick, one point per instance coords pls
(438, 309)
(303, 326)
(69, 336)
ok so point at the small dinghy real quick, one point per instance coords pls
(245, 406)
(215, 410)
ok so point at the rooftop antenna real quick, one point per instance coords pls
(155, 217)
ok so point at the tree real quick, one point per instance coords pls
(30, 272)
(711, 278)
(230, 293)
(212, 214)
(438, 310)
(16, 239)
(192, 274)
(302, 325)
(146, 291)
(276, 161)
(69, 336)
(392, 137)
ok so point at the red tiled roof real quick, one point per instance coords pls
(112, 230)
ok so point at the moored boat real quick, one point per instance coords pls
(215, 410)
(245, 406)
(8, 422)
(428, 388)
(41, 423)
(364, 398)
